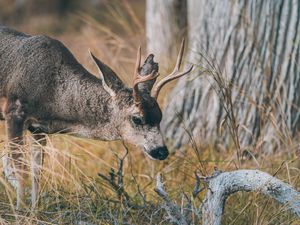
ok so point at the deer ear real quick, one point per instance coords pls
(109, 76)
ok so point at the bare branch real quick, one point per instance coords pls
(172, 209)
(197, 188)
(220, 186)
(227, 183)
(117, 184)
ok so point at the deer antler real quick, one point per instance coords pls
(137, 78)
(172, 76)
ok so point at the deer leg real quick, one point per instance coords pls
(37, 158)
(1, 116)
(2, 106)
(14, 164)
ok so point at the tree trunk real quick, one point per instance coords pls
(166, 23)
(256, 46)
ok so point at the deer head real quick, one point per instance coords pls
(137, 115)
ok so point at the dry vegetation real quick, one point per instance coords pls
(72, 192)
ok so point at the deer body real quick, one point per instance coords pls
(57, 94)
(45, 90)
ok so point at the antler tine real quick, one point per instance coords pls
(174, 75)
(179, 57)
(167, 79)
(140, 79)
(138, 62)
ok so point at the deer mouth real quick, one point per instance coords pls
(160, 153)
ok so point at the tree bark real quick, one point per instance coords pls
(256, 46)
(166, 23)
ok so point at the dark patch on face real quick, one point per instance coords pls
(36, 130)
(152, 112)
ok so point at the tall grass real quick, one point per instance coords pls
(72, 191)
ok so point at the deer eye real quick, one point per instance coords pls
(137, 120)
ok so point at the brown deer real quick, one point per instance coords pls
(45, 90)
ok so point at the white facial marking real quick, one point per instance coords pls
(146, 137)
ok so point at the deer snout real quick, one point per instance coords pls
(159, 153)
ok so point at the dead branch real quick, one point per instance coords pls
(227, 183)
(171, 208)
(220, 185)
(115, 180)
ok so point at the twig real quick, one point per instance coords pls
(197, 188)
(118, 186)
(171, 208)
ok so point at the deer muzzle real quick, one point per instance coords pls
(159, 153)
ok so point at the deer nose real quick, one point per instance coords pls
(159, 153)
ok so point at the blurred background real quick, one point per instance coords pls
(61, 16)
(111, 29)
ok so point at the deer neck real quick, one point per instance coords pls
(81, 107)
(97, 113)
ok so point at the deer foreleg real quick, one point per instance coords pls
(37, 158)
(14, 164)
(2, 106)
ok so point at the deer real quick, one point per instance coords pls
(45, 90)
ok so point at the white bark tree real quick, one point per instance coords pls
(166, 23)
(256, 46)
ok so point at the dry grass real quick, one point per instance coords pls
(72, 191)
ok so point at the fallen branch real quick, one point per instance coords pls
(223, 184)
(227, 183)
